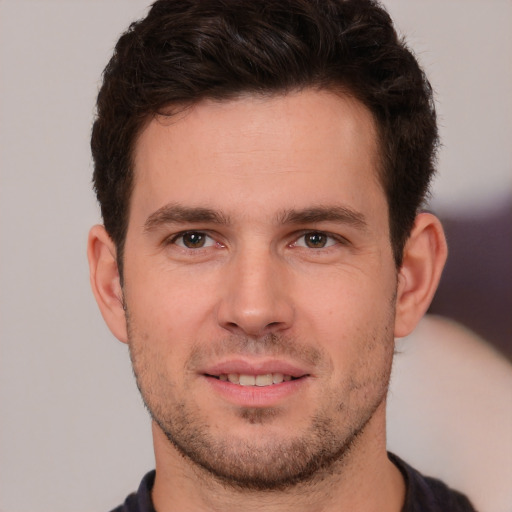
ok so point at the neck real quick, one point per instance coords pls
(365, 480)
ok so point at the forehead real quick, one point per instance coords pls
(256, 151)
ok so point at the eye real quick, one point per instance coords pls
(193, 240)
(315, 240)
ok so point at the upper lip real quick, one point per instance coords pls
(252, 367)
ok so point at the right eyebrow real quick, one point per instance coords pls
(176, 213)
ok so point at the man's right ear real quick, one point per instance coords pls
(105, 281)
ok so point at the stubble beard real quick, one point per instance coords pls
(248, 464)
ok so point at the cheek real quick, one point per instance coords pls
(167, 317)
(165, 299)
(348, 301)
(353, 319)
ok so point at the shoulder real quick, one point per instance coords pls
(426, 494)
(141, 500)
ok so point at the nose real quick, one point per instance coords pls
(255, 299)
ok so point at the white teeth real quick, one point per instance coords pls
(266, 379)
(247, 380)
(277, 378)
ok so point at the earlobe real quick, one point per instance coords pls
(105, 281)
(424, 257)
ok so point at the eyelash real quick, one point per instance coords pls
(175, 238)
(331, 239)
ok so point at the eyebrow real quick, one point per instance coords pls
(339, 214)
(176, 213)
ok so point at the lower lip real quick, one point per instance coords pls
(256, 396)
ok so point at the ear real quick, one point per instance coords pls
(424, 257)
(105, 281)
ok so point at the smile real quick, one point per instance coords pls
(267, 379)
(244, 385)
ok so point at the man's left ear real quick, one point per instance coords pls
(424, 257)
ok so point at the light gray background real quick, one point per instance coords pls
(73, 433)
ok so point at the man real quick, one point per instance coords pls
(260, 168)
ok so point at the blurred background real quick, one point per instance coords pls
(73, 432)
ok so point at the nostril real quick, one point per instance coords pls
(244, 311)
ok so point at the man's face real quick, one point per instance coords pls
(259, 283)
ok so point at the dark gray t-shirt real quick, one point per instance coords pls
(424, 494)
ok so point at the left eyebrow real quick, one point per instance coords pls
(338, 214)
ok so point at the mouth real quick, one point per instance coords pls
(261, 380)
(251, 383)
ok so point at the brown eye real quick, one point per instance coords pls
(316, 240)
(193, 240)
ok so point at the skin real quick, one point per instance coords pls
(258, 242)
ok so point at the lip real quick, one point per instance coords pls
(255, 367)
(255, 396)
